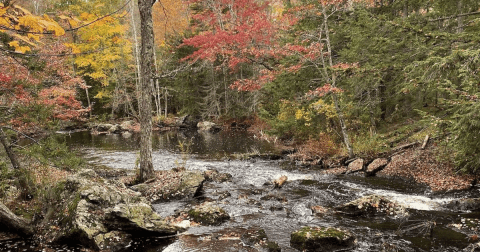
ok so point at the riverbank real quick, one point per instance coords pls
(430, 165)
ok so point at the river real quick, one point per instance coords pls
(250, 203)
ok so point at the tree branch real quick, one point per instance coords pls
(455, 16)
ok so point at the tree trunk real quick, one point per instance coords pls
(460, 18)
(12, 222)
(339, 111)
(146, 66)
(8, 150)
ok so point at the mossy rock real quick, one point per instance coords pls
(373, 205)
(321, 239)
(208, 214)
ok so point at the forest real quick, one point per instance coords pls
(335, 79)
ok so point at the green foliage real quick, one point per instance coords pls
(369, 145)
(53, 151)
(466, 137)
(5, 176)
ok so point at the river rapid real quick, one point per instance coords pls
(252, 202)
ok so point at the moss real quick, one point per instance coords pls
(208, 215)
(272, 247)
(321, 232)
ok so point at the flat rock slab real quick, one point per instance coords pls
(322, 239)
(376, 166)
(356, 165)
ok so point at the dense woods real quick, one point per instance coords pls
(347, 78)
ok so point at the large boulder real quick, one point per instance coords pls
(102, 214)
(373, 205)
(376, 166)
(355, 166)
(172, 184)
(102, 127)
(321, 239)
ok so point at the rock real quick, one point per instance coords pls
(98, 213)
(103, 127)
(224, 195)
(321, 239)
(214, 175)
(355, 166)
(373, 205)
(258, 239)
(301, 209)
(115, 129)
(469, 204)
(278, 183)
(126, 134)
(208, 214)
(376, 166)
(319, 210)
(181, 184)
(127, 125)
(208, 127)
(186, 121)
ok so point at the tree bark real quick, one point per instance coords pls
(146, 66)
(339, 111)
(12, 222)
(8, 149)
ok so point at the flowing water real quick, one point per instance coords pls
(253, 203)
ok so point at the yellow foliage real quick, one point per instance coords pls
(16, 18)
(321, 107)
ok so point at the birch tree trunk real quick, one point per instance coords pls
(339, 111)
(145, 103)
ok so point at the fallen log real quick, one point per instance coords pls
(425, 141)
(405, 146)
(13, 222)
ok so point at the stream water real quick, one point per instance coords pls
(252, 203)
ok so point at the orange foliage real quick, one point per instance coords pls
(169, 17)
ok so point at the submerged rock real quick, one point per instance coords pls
(98, 213)
(468, 204)
(373, 205)
(321, 239)
(208, 214)
(258, 239)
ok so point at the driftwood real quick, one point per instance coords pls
(278, 183)
(405, 146)
(14, 223)
(425, 141)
